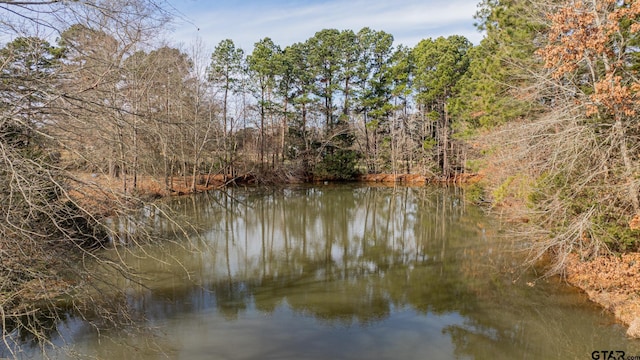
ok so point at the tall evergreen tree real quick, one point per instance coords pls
(375, 87)
(494, 90)
(325, 60)
(440, 64)
(263, 65)
(225, 73)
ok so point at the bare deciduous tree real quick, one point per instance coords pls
(59, 106)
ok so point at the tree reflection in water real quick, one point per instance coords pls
(356, 257)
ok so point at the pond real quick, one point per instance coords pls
(347, 272)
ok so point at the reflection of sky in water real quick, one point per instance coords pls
(404, 335)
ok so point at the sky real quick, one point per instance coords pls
(290, 21)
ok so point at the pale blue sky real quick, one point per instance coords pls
(290, 21)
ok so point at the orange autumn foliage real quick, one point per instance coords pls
(593, 37)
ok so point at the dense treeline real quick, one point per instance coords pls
(339, 104)
(552, 88)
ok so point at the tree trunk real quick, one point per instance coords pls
(628, 166)
(284, 128)
(445, 131)
(225, 141)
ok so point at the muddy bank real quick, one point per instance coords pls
(612, 281)
(102, 190)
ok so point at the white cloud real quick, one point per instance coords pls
(286, 23)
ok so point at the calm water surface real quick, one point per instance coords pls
(346, 272)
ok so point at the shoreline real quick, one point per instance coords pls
(611, 281)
